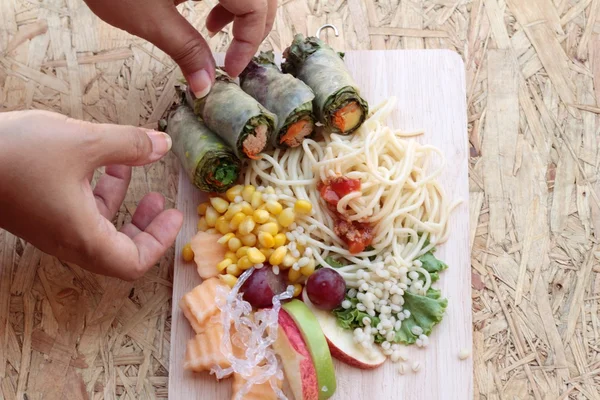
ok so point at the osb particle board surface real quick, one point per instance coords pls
(532, 69)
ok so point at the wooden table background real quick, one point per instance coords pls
(535, 210)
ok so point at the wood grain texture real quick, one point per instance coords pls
(430, 88)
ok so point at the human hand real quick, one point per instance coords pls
(46, 164)
(159, 22)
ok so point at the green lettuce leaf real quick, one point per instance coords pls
(425, 311)
(432, 265)
(333, 262)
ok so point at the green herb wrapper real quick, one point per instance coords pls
(323, 70)
(288, 97)
(234, 115)
(209, 162)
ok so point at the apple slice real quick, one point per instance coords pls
(341, 341)
(316, 343)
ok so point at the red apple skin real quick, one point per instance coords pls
(346, 359)
(302, 376)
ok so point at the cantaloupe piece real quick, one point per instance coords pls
(204, 350)
(207, 253)
(200, 304)
(262, 391)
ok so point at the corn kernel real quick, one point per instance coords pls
(300, 248)
(255, 256)
(287, 217)
(247, 192)
(269, 227)
(202, 208)
(248, 240)
(288, 260)
(241, 252)
(266, 252)
(257, 200)
(293, 275)
(234, 270)
(297, 289)
(211, 217)
(308, 269)
(303, 207)
(266, 239)
(231, 255)
(223, 264)
(278, 255)
(246, 226)
(245, 263)
(226, 238)
(202, 225)
(234, 192)
(211, 231)
(228, 279)
(219, 204)
(274, 207)
(280, 240)
(222, 225)
(247, 208)
(232, 211)
(187, 253)
(269, 190)
(237, 219)
(234, 244)
(260, 216)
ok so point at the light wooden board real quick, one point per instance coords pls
(430, 88)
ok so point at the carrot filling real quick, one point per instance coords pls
(296, 132)
(347, 117)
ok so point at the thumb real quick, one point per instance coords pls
(180, 40)
(127, 145)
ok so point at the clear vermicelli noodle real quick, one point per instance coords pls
(400, 195)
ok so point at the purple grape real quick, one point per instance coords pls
(261, 286)
(326, 288)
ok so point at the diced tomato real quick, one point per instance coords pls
(328, 194)
(342, 185)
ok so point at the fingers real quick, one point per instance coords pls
(111, 189)
(248, 30)
(218, 18)
(189, 50)
(149, 207)
(271, 13)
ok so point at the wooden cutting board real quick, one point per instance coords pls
(430, 88)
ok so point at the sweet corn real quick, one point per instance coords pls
(245, 263)
(229, 280)
(269, 190)
(223, 264)
(274, 207)
(237, 219)
(278, 255)
(234, 270)
(187, 253)
(300, 248)
(257, 200)
(255, 256)
(287, 217)
(247, 208)
(266, 240)
(293, 275)
(248, 240)
(247, 193)
(241, 252)
(280, 240)
(234, 244)
(266, 252)
(297, 289)
(232, 211)
(308, 269)
(246, 226)
(211, 217)
(226, 238)
(234, 192)
(303, 207)
(202, 208)
(231, 255)
(260, 216)
(222, 225)
(269, 227)
(219, 204)
(288, 260)
(202, 225)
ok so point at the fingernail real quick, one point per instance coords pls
(161, 144)
(200, 83)
(211, 34)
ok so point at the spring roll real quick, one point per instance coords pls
(287, 97)
(338, 104)
(209, 162)
(241, 121)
